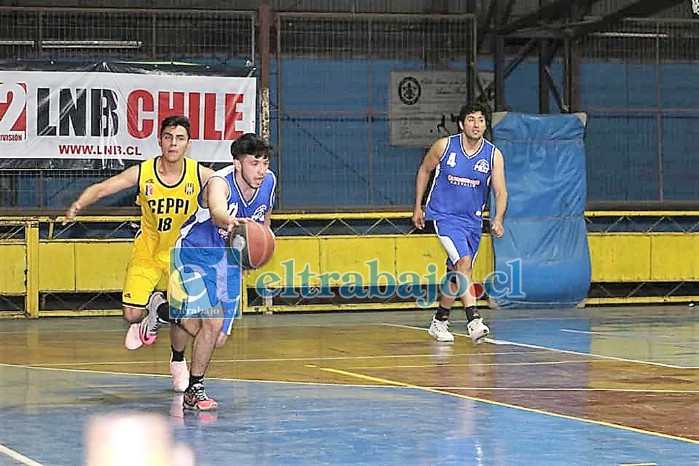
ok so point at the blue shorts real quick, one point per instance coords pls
(205, 283)
(459, 239)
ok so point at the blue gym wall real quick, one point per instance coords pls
(332, 154)
(635, 112)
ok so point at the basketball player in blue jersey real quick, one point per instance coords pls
(466, 165)
(205, 281)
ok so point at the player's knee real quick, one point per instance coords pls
(457, 277)
(133, 315)
(191, 326)
(211, 325)
(463, 265)
(221, 340)
(464, 272)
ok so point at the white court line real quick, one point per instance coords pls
(338, 384)
(331, 384)
(601, 356)
(615, 334)
(24, 332)
(18, 456)
(258, 360)
(557, 350)
(475, 364)
(224, 379)
(566, 389)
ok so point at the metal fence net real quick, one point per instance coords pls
(644, 110)
(331, 89)
(330, 102)
(94, 34)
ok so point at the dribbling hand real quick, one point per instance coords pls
(233, 222)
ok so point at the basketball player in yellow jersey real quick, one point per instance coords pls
(168, 186)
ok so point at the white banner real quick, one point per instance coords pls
(91, 115)
(422, 104)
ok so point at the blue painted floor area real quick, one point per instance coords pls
(652, 334)
(43, 414)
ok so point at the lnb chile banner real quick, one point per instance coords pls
(93, 115)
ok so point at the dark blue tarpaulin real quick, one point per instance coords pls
(543, 260)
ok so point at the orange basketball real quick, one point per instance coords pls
(255, 242)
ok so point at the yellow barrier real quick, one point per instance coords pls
(32, 267)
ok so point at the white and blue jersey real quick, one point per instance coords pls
(458, 197)
(200, 232)
(461, 182)
(207, 278)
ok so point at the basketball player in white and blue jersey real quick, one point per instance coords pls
(206, 278)
(466, 165)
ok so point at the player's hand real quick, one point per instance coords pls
(71, 212)
(232, 222)
(419, 218)
(497, 228)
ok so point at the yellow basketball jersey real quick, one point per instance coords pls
(164, 208)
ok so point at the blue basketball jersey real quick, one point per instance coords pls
(461, 183)
(199, 230)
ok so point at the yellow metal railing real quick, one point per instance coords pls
(38, 260)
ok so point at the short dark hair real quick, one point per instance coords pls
(474, 107)
(176, 120)
(250, 144)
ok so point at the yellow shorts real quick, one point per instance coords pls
(144, 275)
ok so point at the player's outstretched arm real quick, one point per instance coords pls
(204, 174)
(93, 193)
(429, 163)
(500, 190)
(217, 192)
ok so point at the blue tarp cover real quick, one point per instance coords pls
(543, 260)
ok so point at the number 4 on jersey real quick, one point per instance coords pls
(451, 161)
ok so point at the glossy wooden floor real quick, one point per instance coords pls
(595, 386)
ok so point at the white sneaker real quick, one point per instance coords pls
(180, 375)
(439, 330)
(477, 330)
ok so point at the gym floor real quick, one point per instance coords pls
(599, 386)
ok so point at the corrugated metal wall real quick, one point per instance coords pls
(340, 6)
(336, 6)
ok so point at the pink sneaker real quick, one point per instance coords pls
(133, 337)
(195, 398)
(180, 375)
(147, 331)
